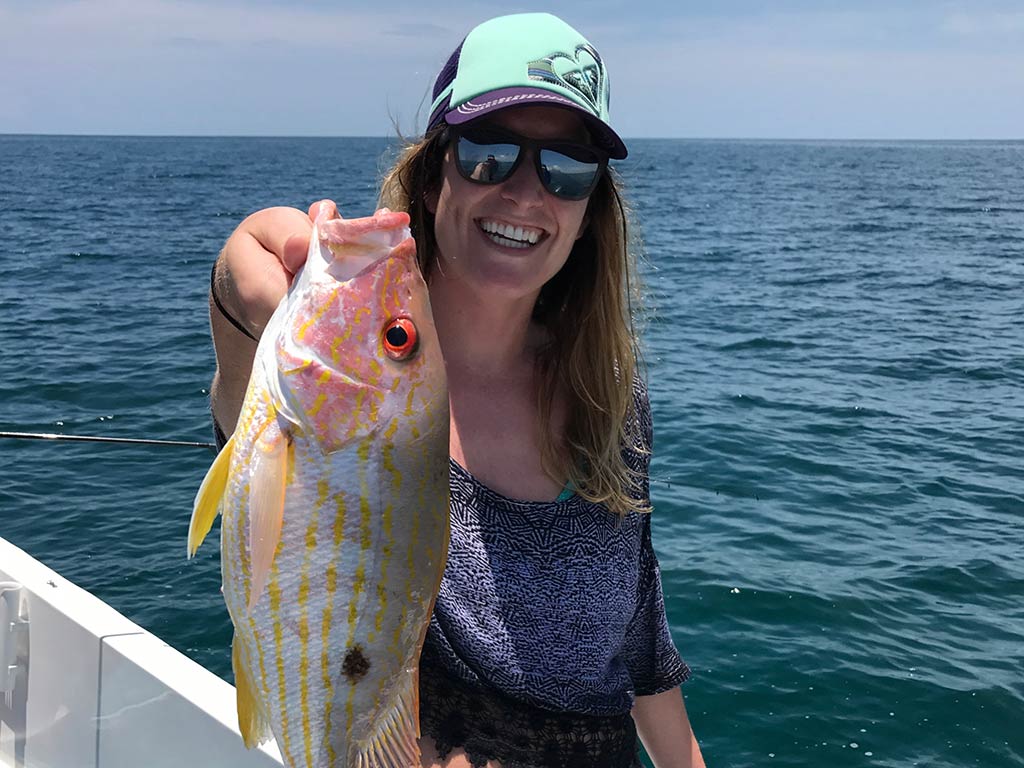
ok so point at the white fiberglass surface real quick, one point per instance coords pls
(94, 690)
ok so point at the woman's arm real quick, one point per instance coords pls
(252, 273)
(665, 731)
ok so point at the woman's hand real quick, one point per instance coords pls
(251, 276)
(260, 259)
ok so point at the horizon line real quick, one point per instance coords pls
(4, 134)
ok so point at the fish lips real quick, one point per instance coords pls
(355, 247)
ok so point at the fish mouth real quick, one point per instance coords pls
(350, 261)
(511, 235)
(347, 262)
(352, 247)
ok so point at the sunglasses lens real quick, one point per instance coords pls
(569, 171)
(569, 177)
(484, 161)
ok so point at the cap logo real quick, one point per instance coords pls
(581, 72)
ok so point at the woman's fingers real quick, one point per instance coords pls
(296, 247)
(295, 251)
(274, 227)
(325, 206)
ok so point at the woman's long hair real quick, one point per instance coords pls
(587, 309)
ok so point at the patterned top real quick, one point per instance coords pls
(558, 604)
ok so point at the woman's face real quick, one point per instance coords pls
(469, 218)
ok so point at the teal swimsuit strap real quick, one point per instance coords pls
(567, 493)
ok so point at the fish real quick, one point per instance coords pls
(334, 497)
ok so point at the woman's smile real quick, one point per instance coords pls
(509, 235)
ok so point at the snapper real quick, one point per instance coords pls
(334, 495)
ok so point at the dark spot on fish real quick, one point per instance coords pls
(356, 665)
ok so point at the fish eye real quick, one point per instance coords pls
(400, 338)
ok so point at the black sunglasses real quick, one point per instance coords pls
(568, 170)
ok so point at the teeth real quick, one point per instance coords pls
(509, 243)
(518, 236)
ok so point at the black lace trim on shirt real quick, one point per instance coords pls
(488, 725)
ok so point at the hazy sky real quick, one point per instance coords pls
(789, 68)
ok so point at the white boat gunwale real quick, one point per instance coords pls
(92, 689)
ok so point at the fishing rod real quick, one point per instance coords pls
(98, 439)
(175, 443)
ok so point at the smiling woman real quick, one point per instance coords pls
(548, 644)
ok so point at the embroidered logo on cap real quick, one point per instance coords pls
(581, 72)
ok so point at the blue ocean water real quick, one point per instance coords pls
(835, 349)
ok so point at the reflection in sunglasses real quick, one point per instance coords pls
(568, 170)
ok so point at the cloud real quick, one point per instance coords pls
(985, 25)
(94, 24)
(179, 41)
(866, 70)
(866, 26)
(745, 90)
(157, 66)
(792, 68)
(420, 30)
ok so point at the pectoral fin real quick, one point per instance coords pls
(266, 505)
(207, 502)
(396, 741)
(252, 720)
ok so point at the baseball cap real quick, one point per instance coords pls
(525, 58)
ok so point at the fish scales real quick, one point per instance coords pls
(329, 635)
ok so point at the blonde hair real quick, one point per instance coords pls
(587, 309)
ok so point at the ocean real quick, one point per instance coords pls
(834, 340)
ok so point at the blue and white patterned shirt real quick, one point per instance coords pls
(557, 604)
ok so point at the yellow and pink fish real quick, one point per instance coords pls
(334, 495)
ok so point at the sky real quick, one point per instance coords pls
(910, 69)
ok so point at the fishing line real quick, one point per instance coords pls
(182, 444)
(98, 439)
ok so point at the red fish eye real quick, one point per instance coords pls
(400, 338)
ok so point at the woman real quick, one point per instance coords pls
(549, 644)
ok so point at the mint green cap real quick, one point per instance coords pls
(526, 58)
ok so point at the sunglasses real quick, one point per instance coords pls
(568, 170)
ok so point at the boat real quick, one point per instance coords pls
(82, 686)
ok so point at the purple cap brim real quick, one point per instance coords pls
(504, 98)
